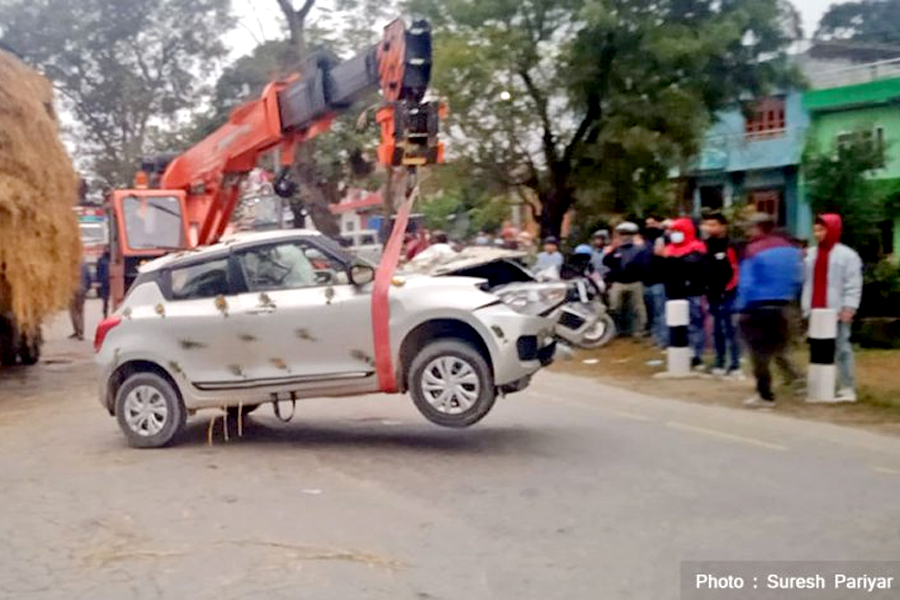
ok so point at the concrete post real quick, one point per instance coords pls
(679, 352)
(822, 334)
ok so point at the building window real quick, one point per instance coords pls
(871, 136)
(766, 118)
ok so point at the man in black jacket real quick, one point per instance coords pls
(654, 281)
(721, 293)
(627, 262)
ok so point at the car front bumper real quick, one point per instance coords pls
(520, 344)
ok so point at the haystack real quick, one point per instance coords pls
(40, 248)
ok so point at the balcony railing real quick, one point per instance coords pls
(856, 74)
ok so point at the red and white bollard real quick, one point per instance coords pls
(822, 336)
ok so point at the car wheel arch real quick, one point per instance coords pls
(434, 329)
(129, 368)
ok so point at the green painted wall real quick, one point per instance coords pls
(827, 126)
(880, 91)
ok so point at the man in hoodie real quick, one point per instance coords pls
(686, 279)
(721, 293)
(627, 262)
(834, 280)
(771, 277)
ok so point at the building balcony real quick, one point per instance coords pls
(853, 75)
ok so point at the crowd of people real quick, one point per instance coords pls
(744, 293)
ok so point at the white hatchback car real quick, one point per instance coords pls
(284, 315)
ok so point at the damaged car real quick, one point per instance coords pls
(286, 315)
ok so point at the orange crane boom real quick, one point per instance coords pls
(196, 192)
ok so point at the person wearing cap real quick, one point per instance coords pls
(550, 258)
(599, 243)
(627, 262)
(771, 277)
(834, 280)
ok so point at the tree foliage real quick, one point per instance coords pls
(840, 180)
(577, 99)
(875, 21)
(123, 68)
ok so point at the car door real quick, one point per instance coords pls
(196, 323)
(300, 315)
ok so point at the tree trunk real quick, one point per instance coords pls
(311, 189)
(555, 203)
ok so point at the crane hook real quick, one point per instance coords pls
(284, 186)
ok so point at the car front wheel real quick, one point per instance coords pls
(149, 410)
(451, 384)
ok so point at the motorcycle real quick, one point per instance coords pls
(571, 299)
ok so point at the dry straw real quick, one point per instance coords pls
(39, 242)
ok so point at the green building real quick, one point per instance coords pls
(870, 106)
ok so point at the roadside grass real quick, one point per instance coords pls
(625, 363)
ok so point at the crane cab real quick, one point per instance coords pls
(144, 224)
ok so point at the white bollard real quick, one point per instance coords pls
(678, 316)
(822, 335)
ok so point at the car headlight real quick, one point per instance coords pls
(534, 299)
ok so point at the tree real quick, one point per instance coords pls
(874, 21)
(839, 180)
(124, 68)
(566, 97)
(316, 169)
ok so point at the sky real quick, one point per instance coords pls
(260, 20)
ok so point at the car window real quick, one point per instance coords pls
(203, 280)
(367, 239)
(289, 265)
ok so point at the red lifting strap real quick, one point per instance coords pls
(381, 308)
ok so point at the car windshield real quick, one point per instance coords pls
(153, 222)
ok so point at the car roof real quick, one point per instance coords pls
(243, 238)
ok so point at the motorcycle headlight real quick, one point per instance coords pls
(533, 300)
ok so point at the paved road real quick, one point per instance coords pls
(571, 490)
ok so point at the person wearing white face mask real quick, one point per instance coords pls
(686, 279)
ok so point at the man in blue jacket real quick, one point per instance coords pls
(771, 278)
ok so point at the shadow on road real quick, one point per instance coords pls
(367, 436)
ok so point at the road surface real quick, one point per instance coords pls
(570, 490)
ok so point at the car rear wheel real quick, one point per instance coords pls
(30, 349)
(451, 384)
(149, 410)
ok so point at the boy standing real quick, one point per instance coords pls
(834, 280)
(721, 292)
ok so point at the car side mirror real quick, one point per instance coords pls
(361, 274)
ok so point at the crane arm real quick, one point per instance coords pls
(293, 111)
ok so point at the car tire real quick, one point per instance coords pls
(451, 384)
(149, 410)
(30, 349)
